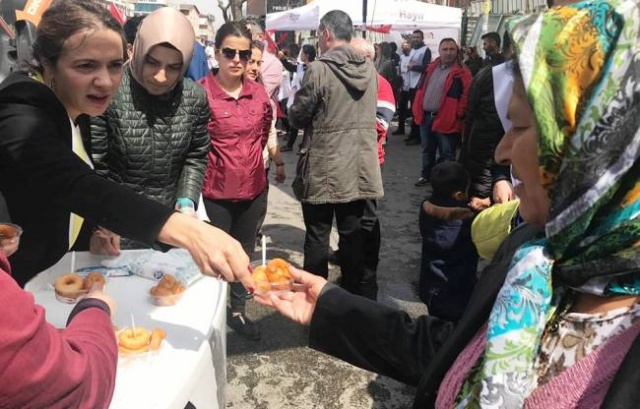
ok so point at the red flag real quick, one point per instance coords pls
(282, 39)
(384, 29)
(271, 46)
(117, 14)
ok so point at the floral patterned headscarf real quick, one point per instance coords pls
(581, 68)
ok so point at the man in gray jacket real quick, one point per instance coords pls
(336, 106)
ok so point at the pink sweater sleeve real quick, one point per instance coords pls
(271, 74)
(43, 367)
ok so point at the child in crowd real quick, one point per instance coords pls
(449, 258)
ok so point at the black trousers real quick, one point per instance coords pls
(292, 136)
(318, 220)
(371, 250)
(284, 121)
(403, 109)
(240, 220)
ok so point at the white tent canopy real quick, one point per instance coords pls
(401, 15)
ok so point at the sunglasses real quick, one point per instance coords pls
(230, 53)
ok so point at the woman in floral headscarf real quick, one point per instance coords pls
(555, 319)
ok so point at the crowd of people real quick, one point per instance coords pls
(128, 133)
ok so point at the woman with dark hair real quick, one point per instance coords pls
(234, 188)
(153, 136)
(307, 56)
(554, 321)
(53, 193)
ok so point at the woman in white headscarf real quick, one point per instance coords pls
(153, 137)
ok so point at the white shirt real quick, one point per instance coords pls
(211, 59)
(285, 86)
(415, 57)
(296, 83)
(404, 71)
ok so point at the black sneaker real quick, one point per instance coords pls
(422, 182)
(243, 326)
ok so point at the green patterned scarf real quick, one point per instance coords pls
(581, 69)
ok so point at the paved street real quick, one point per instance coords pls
(280, 371)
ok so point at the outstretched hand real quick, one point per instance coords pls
(215, 252)
(299, 303)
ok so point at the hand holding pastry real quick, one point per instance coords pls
(274, 275)
(298, 303)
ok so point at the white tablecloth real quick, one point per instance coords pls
(191, 364)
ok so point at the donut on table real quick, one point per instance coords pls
(157, 335)
(92, 278)
(167, 281)
(136, 340)
(69, 286)
(168, 291)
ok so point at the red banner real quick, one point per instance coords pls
(117, 14)
(384, 29)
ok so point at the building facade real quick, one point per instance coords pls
(192, 14)
(206, 30)
(149, 6)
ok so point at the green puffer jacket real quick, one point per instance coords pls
(155, 145)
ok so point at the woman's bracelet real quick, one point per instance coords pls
(280, 164)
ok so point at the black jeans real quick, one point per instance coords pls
(415, 129)
(371, 250)
(318, 220)
(403, 109)
(284, 121)
(292, 135)
(432, 142)
(240, 220)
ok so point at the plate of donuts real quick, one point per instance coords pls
(70, 287)
(168, 291)
(139, 342)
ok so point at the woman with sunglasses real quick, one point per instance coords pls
(153, 137)
(234, 188)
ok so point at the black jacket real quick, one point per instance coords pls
(43, 181)
(420, 351)
(483, 132)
